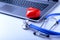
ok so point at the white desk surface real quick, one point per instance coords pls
(11, 29)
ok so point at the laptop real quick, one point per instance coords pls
(18, 8)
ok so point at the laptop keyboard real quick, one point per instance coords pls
(26, 4)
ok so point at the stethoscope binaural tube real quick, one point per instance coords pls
(49, 32)
(55, 14)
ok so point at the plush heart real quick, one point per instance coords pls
(33, 13)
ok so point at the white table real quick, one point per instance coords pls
(11, 28)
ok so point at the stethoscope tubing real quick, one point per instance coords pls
(49, 32)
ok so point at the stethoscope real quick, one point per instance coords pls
(44, 32)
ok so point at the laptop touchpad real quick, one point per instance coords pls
(7, 8)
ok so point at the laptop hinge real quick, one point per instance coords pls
(54, 0)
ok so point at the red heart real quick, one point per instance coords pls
(33, 13)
